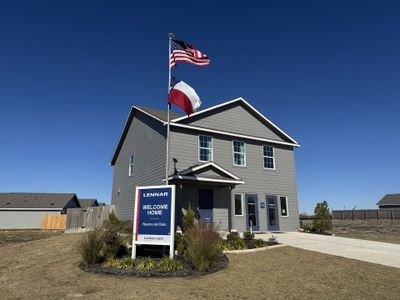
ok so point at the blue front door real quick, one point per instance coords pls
(206, 203)
(252, 212)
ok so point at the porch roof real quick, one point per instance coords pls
(207, 172)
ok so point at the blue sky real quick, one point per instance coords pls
(327, 72)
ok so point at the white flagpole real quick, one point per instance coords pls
(170, 37)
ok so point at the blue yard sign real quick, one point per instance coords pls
(154, 222)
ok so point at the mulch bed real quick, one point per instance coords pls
(220, 264)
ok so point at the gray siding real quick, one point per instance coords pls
(188, 194)
(281, 181)
(146, 141)
(234, 118)
(15, 219)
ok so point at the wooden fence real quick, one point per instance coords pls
(366, 214)
(86, 219)
(53, 222)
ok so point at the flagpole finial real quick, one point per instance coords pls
(170, 35)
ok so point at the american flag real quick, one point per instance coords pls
(182, 52)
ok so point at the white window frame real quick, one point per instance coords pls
(233, 153)
(265, 156)
(131, 164)
(242, 204)
(287, 206)
(198, 148)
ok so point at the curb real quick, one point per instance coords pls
(253, 250)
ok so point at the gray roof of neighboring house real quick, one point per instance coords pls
(161, 114)
(390, 199)
(35, 200)
(88, 202)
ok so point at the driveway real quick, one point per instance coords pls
(375, 252)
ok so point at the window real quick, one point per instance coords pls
(269, 159)
(205, 148)
(131, 163)
(284, 207)
(238, 204)
(239, 153)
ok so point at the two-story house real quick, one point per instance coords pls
(230, 163)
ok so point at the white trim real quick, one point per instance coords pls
(233, 153)
(245, 102)
(30, 208)
(198, 147)
(273, 157)
(213, 165)
(194, 178)
(234, 202)
(287, 206)
(234, 134)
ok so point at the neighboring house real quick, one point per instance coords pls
(389, 201)
(25, 210)
(228, 162)
(84, 203)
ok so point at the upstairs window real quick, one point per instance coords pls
(269, 158)
(131, 163)
(239, 153)
(205, 148)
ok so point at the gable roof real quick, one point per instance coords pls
(160, 114)
(247, 105)
(208, 172)
(36, 200)
(88, 202)
(175, 119)
(390, 199)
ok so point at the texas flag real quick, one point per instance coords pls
(184, 96)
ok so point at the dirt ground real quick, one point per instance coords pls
(18, 236)
(374, 230)
(48, 269)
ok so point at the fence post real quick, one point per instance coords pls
(391, 214)
(365, 214)
(341, 215)
(377, 214)
(352, 214)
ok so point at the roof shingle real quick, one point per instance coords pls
(390, 199)
(35, 200)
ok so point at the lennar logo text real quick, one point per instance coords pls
(156, 194)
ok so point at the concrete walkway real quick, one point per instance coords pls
(375, 252)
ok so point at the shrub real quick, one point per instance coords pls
(322, 218)
(91, 246)
(202, 246)
(114, 243)
(115, 224)
(145, 264)
(180, 244)
(188, 219)
(168, 264)
(273, 240)
(125, 263)
(232, 236)
(248, 235)
(258, 243)
(235, 242)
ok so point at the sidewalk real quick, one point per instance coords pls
(375, 252)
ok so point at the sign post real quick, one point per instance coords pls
(154, 220)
